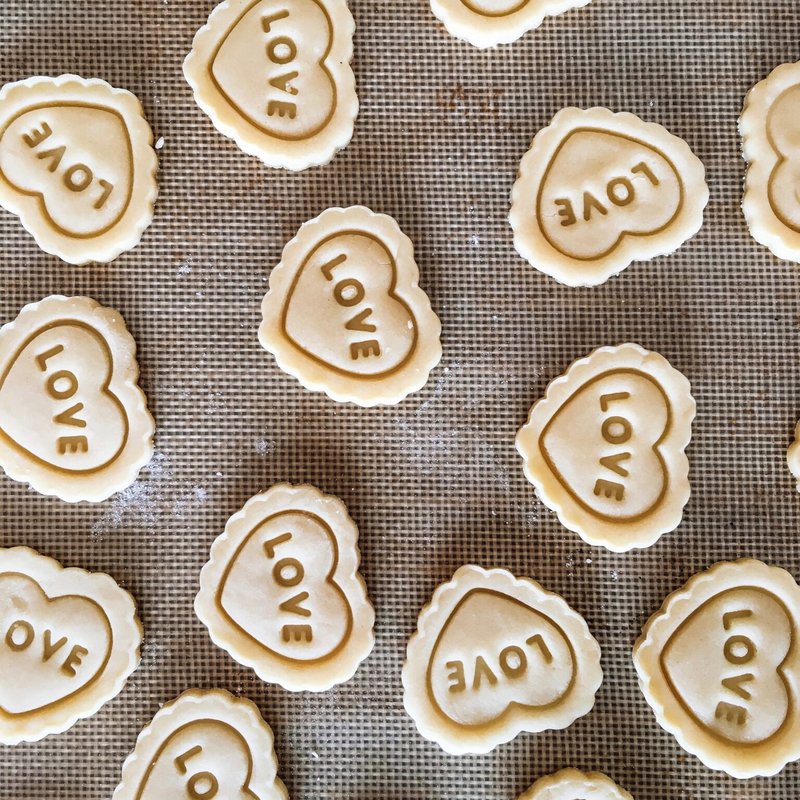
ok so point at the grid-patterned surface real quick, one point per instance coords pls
(434, 482)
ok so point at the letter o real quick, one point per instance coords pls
(287, 47)
(613, 195)
(737, 658)
(20, 624)
(78, 184)
(352, 299)
(616, 422)
(205, 794)
(288, 563)
(509, 670)
(62, 394)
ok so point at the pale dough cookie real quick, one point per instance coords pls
(282, 592)
(77, 166)
(605, 447)
(204, 745)
(599, 190)
(275, 76)
(495, 655)
(770, 129)
(73, 421)
(793, 456)
(69, 639)
(569, 784)
(486, 23)
(345, 314)
(720, 666)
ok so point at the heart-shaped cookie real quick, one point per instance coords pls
(569, 784)
(275, 76)
(605, 448)
(282, 592)
(770, 140)
(486, 23)
(720, 666)
(69, 639)
(344, 313)
(85, 431)
(204, 745)
(597, 191)
(77, 166)
(495, 655)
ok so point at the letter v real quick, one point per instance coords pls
(68, 417)
(293, 605)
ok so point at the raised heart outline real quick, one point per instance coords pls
(461, 739)
(125, 233)
(530, 240)
(273, 151)
(317, 675)
(196, 705)
(315, 375)
(616, 536)
(56, 581)
(95, 485)
(763, 759)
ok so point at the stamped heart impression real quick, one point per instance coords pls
(77, 166)
(770, 129)
(486, 23)
(275, 76)
(282, 592)
(569, 784)
(73, 421)
(204, 745)
(599, 190)
(495, 655)
(605, 447)
(69, 639)
(720, 666)
(345, 314)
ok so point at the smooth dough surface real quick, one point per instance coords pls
(720, 666)
(569, 784)
(599, 190)
(282, 592)
(77, 166)
(605, 447)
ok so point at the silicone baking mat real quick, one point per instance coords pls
(434, 482)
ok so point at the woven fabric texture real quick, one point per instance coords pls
(434, 482)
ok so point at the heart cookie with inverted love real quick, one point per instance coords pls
(720, 666)
(605, 448)
(282, 593)
(344, 313)
(275, 76)
(69, 639)
(599, 190)
(570, 784)
(770, 141)
(76, 165)
(486, 23)
(495, 655)
(204, 744)
(73, 421)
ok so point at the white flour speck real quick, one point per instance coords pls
(159, 143)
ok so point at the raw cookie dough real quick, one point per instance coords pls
(598, 190)
(770, 129)
(720, 666)
(345, 314)
(605, 447)
(569, 784)
(73, 421)
(77, 166)
(793, 456)
(204, 745)
(275, 76)
(486, 23)
(282, 592)
(495, 655)
(69, 639)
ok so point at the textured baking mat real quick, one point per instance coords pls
(434, 482)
